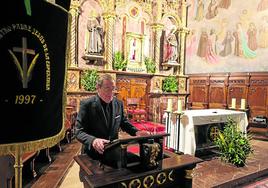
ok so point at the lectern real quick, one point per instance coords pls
(150, 147)
(156, 167)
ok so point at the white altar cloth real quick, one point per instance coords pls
(191, 118)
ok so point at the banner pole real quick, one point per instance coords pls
(18, 167)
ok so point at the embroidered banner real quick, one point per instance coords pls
(33, 37)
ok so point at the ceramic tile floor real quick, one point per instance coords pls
(72, 178)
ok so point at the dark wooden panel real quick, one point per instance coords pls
(258, 94)
(237, 88)
(133, 87)
(218, 91)
(199, 94)
(123, 88)
(221, 88)
(257, 100)
(199, 86)
(216, 96)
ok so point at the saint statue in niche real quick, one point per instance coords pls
(94, 35)
(171, 47)
(133, 50)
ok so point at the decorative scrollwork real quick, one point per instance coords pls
(213, 132)
(148, 181)
(161, 178)
(170, 174)
(189, 174)
(136, 183)
(124, 185)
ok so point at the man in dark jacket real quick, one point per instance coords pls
(100, 118)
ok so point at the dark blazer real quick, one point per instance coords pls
(92, 123)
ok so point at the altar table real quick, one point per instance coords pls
(191, 118)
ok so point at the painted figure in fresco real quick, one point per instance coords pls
(200, 11)
(94, 36)
(225, 4)
(246, 51)
(223, 24)
(244, 19)
(263, 33)
(263, 5)
(210, 54)
(227, 44)
(202, 44)
(191, 44)
(214, 40)
(252, 37)
(237, 44)
(171, 54)
(212, 9)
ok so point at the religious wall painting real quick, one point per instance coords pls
(234, 39)
(191, 44)
(262, 5)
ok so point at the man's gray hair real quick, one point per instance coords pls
(104, 77)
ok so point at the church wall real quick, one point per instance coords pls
(227, 36)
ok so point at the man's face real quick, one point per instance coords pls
(105, 91)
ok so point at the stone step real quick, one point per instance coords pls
(258, 125)
(260, 137)
(259, 133)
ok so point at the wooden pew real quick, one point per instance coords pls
(7, 171)
(30, 157)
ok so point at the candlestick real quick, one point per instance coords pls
(169, 105)
(177, 132)
(179, 106)
(233, 103)
(243, 104)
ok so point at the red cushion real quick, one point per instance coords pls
(133, 149)
(130, 111)
(139, 111)
(149, 126)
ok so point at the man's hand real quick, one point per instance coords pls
(98, 144)
(143, 133)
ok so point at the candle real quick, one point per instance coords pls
(243, 104)
(233, 103)
(169, 105)
(179, 105)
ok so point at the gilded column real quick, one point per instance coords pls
(74, 11)
(157, 30)
(109, 20)
(183, 31)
